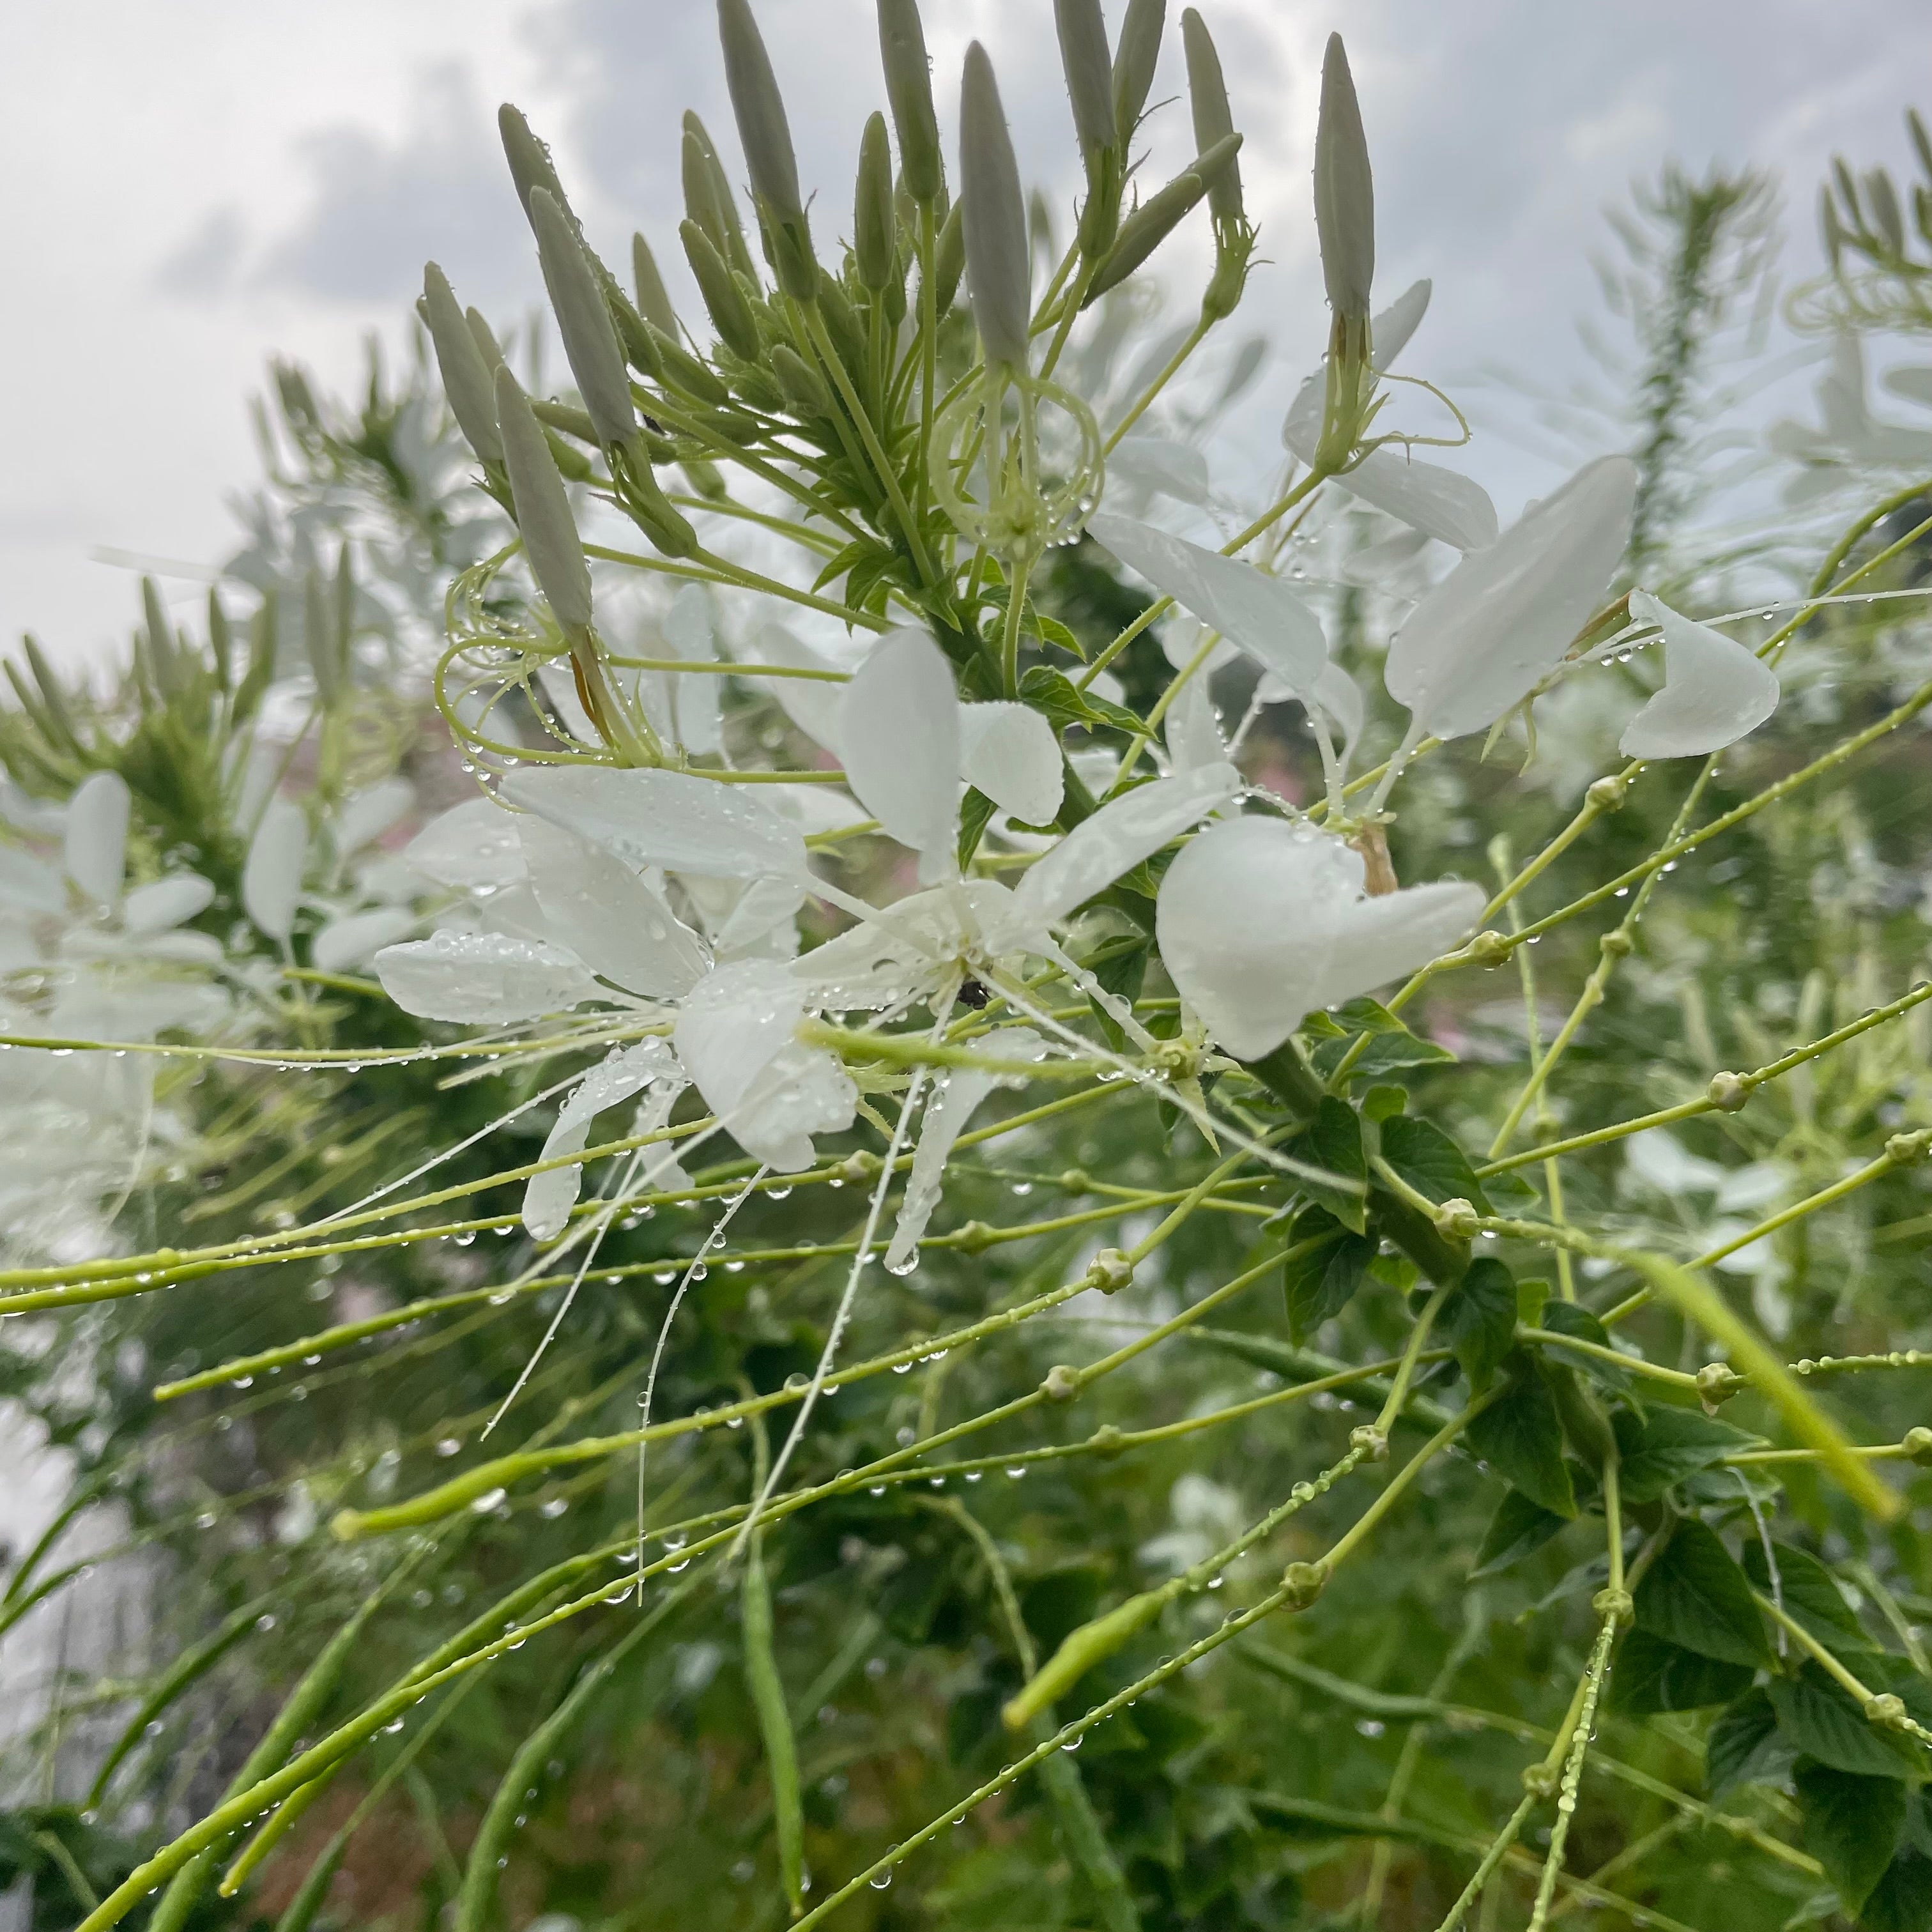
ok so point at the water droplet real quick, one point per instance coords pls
(450, 1445)
(905, 1264)
(1016, 1471)
(483, 1505)
(880, 1880)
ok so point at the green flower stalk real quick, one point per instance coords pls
(765, 135)
(909, 91)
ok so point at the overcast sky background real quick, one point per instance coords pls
(194, 186)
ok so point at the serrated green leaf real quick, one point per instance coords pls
(1696, 1595)
(1321, 1283)
(1745, 1747)
(1653, 1674)
(976, 813)
(1806, 1593)
(1333, 1142)
(1851, 1826)
(1478, 1321)
(1819, 1719)
(1051, 630)
(1664, 1446)
(1430, 1162)
(1063, 703)
(1519, 1528)
(1519, 1437)
(1566, 1318)
(1391, 1046)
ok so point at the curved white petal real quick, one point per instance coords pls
(166, 903)
(595, 904)
(483, 976)
(1193, 730)
(810, 703)
(1158, 465)
(1502, 619)
(473, 847)
(271, 875)
(1117, 837)
(358, 936)
(96, 842)
(689, 634)
(370, 813)
(671, 819)
(1259, 613)
(899, 730)
(1260, 922)
(26, 882)
(1438, 503)
(1715, 690)
(550, 1196)
(1009, 752)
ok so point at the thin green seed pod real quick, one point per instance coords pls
(1213, 120)
(761, 1675)
(1157, 217)
(875, 223)
(1345, 194)
(998, 265)
(909, 90)
(583, 320)
(653, 302)
(466, 379)
(1088, 68)
(1135, 57)
(543, 510)
(724, 299)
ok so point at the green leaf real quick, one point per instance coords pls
(1566, 1318)
(1807, 1594)
(1055, 694)
(1391, 1045)
(1511, 1193)
(1819, 1718)
(1051, 630)
(1430, 1162)
(1383, 1103)
(1664, 1446)
(1695, 1595)
(1901, 1901)
(1321, 1284)
(1478, 1321)
(976, 812)
(1333, 1143)
(1653, 1674)
(1851, 1826)
(1519, 1437)
(1120, 965)
(1519, 1528)
(1745, 1747)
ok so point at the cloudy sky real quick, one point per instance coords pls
(197, 185)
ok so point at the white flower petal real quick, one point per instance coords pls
(1715, 690)
(1427, 497)
(550, 1197)
(96, 845)
(483, 976)
(1339, 695)
(899, 730)
(880, 962)
(1117, 837)
(957, 1093)
(810, 703)
(370, 813)
(1502, 619)
(671, 819)
(1009, 752)
(26, 882)
(1261, 922)
(597, 907)
(1159, 465)
(358, 936)
(473, 847)
(1193, 730)
(1259, 613)
(271, 875)
(688, 632)
(760, 920)
(1389, 333)
(166, 903)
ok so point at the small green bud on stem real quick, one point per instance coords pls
(543, 510)
(1062, 1383)
(584, 319)
(909, 90)
(466, 378)
(1135, 57)
(1109, 1271)
(1157, 217)
(875, 220)
(948, 264)
(998, 267)
(708, 198)
(1456, 1219)
(653, 303)
(1918, 1445)
(1728, 1092)
(1302, 1583)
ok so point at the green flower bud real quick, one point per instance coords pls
(843, 325)
(565, 419)
(163, 654)
(584, 319)
(543, 510)
(530, 166)
(646, 503)
(319, 639)
(466, 379)
(683, 370)
(708, 198)
(949, 264)
(484, 337)
(653, 304)
(1883, 199)
(1345, 194)
(1134, 60)
(909, 89)
(765, 135)
(725, 301)
(1921, 143)
(875, 224)
(1089, 69)
(805, 393)
(1157, 217)
(998, 277)
(1214, 122)
(220, 640)
(262, 639)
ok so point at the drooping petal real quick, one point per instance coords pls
(1009, 752)
(370, 813)
(1117, 837)
(485, 977)
(473, 847)
(955, 1097)
(899, 729)
(359, 936)
(671, 819)
(1261, 922)
(1259, 613)
(271, 876)
(597, 907)
(550, 1196)
(1454, 509)
(1502, 619)
(166, 903)
(1339, 695)
(96, 843)
(810, 703)
(1715, 690)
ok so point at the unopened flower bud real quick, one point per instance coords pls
(875, 219)
(645, 502)
(1728, 1092)
(1617, 1603)
(708, 198)
(466, 379)
(1109, 1271)
(1717, 1381)
(949, 264)
(583, 320)
(653, 302)
(1135, 57)
(530, 166)
(909, 91)
(487, 346)
(549, 531)
(1918, 1445)
(1301, 1583)
(1909, 1149)
(1344, 195)
(805, 393)
(765, 135)
(723, 297)
(1617, 943)
(1881, 198)
(1607, 794)
(1456, 1219)
(974, 1238)
(1089, 70)
(1062, 1383)
(1213, 121)
(1540, 1779)
(1371, 1442)
(1886, 1710)
(1107, 1441)
(220, 640)
(1157, 217)
(998, 265)
(1488, 948)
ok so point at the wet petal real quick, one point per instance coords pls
(810, 703)
(1438, 503)
(1715, 690)
(483, 976)
(271, 877)
(1193, 732)
(1477, 643)
(1159, 465)
(671, 819)
(166, 903)
(359, 936)
(688, 634)
(1009, 752)
(1389, 335)
(96, 841)
(899, 729)
(473, 847)
(370, 813)
(550, 1197)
